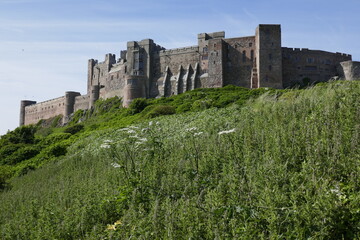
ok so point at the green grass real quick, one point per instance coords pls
(285, 165)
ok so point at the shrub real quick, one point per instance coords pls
(161, 110)
(137, 105)
(184, 107)
(55, 138)
(74, 129)
(56, 150)
(22, 154)
(24, 134)
(201, 104)
(5, 174)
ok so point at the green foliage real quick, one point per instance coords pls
(160, 110)
(74, 128)
(108, 105)
(23, 134)
(137, 105)
(21, 154)
(284, 165)
(5, 175)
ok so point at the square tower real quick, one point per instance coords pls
(269, 55)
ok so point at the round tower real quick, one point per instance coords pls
(70, 102)
(94, 95)
(23, 104)
(135, 88)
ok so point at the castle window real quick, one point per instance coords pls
(112, 77)
(244, 56)
(214, 45)
(310, 60)
(125, 70)
(270, 67)
(270, 56)
(205, 49)
(204, 57)
(252, 55)
(250, 44)
(117, 75)
(235, 46)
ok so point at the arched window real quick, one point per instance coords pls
(244, 56)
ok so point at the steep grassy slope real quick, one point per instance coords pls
(279, 167)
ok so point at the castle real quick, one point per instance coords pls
(147, 70)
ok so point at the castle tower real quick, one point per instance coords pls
(94, 95)
(70, 102)
(91, 65)
(23, 104)
(135, 88)
(269, 56)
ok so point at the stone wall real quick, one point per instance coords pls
(240, 57)
(81, 102)
(351, 70)
(44, 110)
(311, 66)
(174, 65)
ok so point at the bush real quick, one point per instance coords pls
(74, 129)
(55, 138)
(137, 105)
(5, 174)
(24, 134)
(22, 154)
(56, 150)
(7, 150)
(201, 104)
(161, 110)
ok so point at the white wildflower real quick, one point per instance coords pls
(115, 165)
(191, 129)
(150, 123)
(143, 139)
(157, 123)
(105, 145)
(145, 129)
(131, 131)
(227, 131)
(134, 136)
(198, 133)
(108, 141)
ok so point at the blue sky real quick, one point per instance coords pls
(45, 44)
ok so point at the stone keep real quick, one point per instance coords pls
(147, 70)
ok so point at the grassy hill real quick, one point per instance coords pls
(282, 165)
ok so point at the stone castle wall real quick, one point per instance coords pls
(240, 56)
(350, 70)
(312, 65)
(81, 102)
(44, 110)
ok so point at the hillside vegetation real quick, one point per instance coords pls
(282, 165)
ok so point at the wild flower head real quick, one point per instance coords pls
(227, 131)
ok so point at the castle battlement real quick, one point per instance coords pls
(148, 70)
(179, 50)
